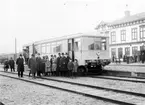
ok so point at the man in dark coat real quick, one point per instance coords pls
(63, 65)
(12, 64)
(67, 58)
(6, 65)
(58, 64)
(51, 62)
(32, 65)
(67, 61)
(43, 65)
(20, 66)
(38, 61)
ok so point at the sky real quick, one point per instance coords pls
(34, 20)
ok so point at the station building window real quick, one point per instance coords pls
(113, 52)
(142, 47)
(142, 32)
(113, 36)
(134, 50)
(127, 51)
(123, 35)
(120, 52)
(134, 33)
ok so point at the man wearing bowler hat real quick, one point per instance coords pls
(20, 66)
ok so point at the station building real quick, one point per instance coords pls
(127, 35)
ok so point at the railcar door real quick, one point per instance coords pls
(71, 48)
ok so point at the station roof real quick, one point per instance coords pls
(130, 18)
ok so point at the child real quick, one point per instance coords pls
(70, 67)
(75, 67)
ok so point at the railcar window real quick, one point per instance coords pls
(58, 48)
(48, 48)
(43, 49)
(53, 47)
(69, 46)
(93, 43)
(97, 45)
(77, 46)
(91, 46)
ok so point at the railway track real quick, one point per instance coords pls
(128, 79)
(106, 94)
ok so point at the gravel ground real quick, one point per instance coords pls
(15, 92)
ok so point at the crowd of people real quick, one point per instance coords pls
(61, 65)
(55, 66)
(130, 59)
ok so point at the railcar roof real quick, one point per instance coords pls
(88, 34)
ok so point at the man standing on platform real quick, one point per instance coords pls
(63, 65)
(20, 66)
(32, 65)
(58, 64)
(12, 64)
(67, 61)
(38, 61)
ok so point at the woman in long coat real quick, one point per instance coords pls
(47, 66)
(54, 65)
(32, 65)
(75, 67)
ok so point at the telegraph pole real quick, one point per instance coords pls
(15, 49)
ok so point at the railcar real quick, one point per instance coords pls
(90, 49)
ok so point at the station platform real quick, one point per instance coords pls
(126, 70)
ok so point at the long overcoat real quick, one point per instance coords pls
(54, 64)
(63, 64)
(12, 63)
(32, 65)
(47, 66)
(70, 66)
(76, 65)
(58, 63)
(38, 60)
(42, 65)
(20, 64)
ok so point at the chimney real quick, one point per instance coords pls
(127, 12)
